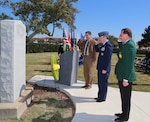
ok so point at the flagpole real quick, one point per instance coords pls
(64, 39)
(77, 39)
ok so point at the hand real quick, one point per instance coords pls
(119, 39)
(125, 83)
(104, 71)
(98, 41)
(95, 42)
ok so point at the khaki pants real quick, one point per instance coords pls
(88, 70)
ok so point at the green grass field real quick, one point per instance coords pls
(39, 64)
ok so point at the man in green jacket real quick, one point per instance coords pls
(125, 72)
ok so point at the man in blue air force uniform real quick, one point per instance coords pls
(104, 47)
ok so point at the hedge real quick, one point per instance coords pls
(39, 48)
(115, 50)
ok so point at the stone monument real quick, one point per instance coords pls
(68, 71)
(12, 66)
(12, 59)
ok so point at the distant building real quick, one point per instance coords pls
(47, 40)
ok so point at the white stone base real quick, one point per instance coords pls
(16, 109)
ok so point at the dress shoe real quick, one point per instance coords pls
(118, 114)
(95, 98)
(120, 119)
(98, 100)
(83, 86)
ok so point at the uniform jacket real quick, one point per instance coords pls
(125, 66)
(104, 58)
(92, 52)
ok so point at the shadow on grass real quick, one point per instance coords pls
(143, 72)
(113, 83)
(46, 63)
(43, 70)
(141, 84)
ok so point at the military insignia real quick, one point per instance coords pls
(102, 54)
(103, 49)
(120, 55)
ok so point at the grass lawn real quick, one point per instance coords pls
(39, 64)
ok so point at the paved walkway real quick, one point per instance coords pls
(87, 110)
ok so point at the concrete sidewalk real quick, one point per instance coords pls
(87, 110)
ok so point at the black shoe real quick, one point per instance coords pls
(98, 100)
(95, 98)
(118, 114)
(84, 86)
(120, 119)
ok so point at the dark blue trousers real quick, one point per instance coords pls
(102, 85)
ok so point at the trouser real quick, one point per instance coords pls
(88, 70)
(125, 93)
(102, 85)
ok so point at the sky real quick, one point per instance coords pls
(109, 15)
(112, 16)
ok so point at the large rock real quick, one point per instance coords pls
(12, 59)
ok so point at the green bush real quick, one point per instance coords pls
(38, 48)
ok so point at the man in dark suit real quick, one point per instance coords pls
(125, 72)
(104, 47)
(89, 58)
(60, 50)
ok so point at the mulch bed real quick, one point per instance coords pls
(56, 96)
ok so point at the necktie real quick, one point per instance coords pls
(86, 48)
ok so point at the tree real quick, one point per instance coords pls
(4, 16)
(145, 42)
(113, 40)
(38, 14)
(4, 2)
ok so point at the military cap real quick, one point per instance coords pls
(103, 33)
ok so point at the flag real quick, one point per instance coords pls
(64, 40)
(64, 33)
(69, 37)
(73, 41)
(77, 39)
(82, 37)
(67, 42)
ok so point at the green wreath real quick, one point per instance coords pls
(55, 67)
